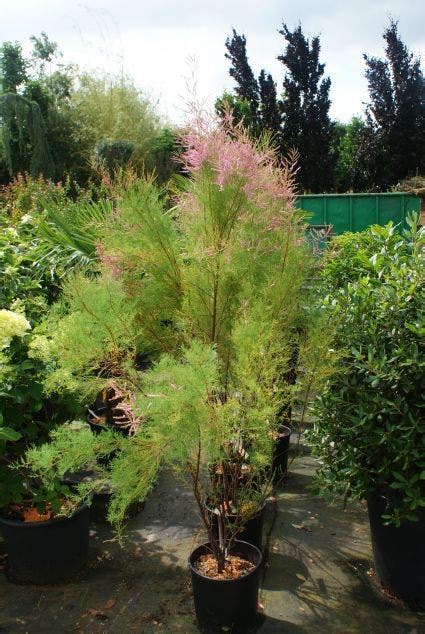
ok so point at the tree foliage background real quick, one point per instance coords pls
(64, 124)
(371, 152)
(54, 119)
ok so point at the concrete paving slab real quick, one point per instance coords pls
(319, 575)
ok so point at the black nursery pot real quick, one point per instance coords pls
(252, 531)
(230, 603)
(46, 552)
(101, 498)
(399, 554)
(281, 453)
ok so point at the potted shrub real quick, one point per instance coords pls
(189, 427)
(370, 433)
(211, 290)
(46, 527)
(192, 428)
(235, 262)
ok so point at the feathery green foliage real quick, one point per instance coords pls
(45, 468)
(89, 337)
(143, 237)
(211, 292)
(113, 109)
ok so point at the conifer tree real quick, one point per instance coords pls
(395, 113)
(270, 115)
(247, 86)
(306, 123)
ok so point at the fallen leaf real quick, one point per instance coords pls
(302, 527)
(109, 604)
(98, 614)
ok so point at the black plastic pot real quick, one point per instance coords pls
(252, 531)
(230, 603)
(101, 498)
(281, 453)
(399, 554)
(46, 552)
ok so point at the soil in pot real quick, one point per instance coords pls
(252, 531)
(399, 554)
(46, 552)
(96, 419)
(226, 602)
(234, 568)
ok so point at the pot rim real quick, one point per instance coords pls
(91, 421)
(287, 432)
(56, 520)
(227, 581)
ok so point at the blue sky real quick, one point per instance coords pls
(154, 40)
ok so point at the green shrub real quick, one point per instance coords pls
(370, 432)
(44, 469)
(31, 267)
(112, 155)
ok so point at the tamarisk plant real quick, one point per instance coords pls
(213, 290)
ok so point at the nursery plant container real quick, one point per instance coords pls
(226, 603)
(100, 505)
(100, 498)
(281, 453)
(399, 554)
(46, 552)
(252, 531)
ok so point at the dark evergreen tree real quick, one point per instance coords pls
(246, 85)
(395, 113)
(270, 114)
(306, 123)
(24, 136)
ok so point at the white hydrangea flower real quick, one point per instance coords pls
(40, 347)
(11, 325)
(26, 218)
